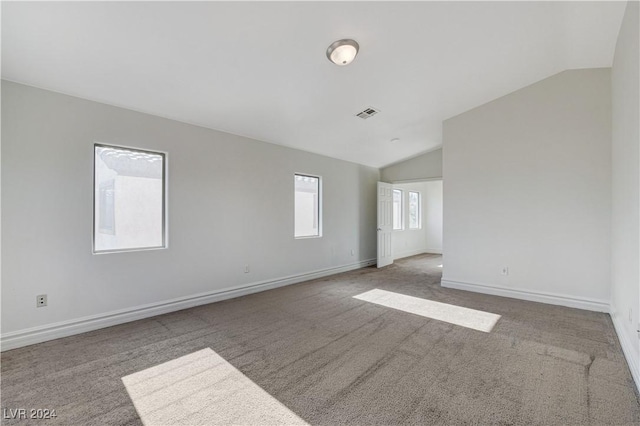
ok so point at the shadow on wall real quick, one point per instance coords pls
(425, 166)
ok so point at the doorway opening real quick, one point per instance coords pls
(421, 216)
(414, 211)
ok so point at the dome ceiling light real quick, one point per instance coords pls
(343, 52)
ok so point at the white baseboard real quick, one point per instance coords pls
(17, 339)
(533, 296)
(562, 300)
(627, 348)
(408, 253)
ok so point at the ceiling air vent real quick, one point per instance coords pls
(368, 112)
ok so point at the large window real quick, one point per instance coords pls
(129, 199)
(398, 222)
(415, 216)
(307, 206)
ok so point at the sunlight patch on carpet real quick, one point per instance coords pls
(458, 315)
(202, 388)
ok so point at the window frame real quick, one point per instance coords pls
(419, 210)
(319, 210)
(401, 213)
(165, 239)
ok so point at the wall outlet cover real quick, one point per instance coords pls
(41, 300)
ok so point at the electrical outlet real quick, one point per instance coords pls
(353, 252)
(247, 269)
(630, 314)
(504, 270)
(41, 300)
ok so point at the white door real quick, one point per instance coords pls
(385, 223)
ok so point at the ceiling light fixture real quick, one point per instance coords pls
(343, 52)
(395, 140)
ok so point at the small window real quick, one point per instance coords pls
(307, 206)
(398, 223)
(129, 199)
(415, 221)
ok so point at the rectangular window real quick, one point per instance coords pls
(415, 216)
(398, 223)
(129, 199)
(307, 206)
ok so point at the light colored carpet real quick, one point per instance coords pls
(203, 389)
(458, 315)
(329, 358)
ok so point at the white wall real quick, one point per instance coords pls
(527, 185)
(425, 166)
(409, 242)
(230, 203)
(625, 250)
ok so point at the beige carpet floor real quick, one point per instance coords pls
(313, 353)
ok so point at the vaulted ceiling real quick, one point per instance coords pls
(259, 69)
